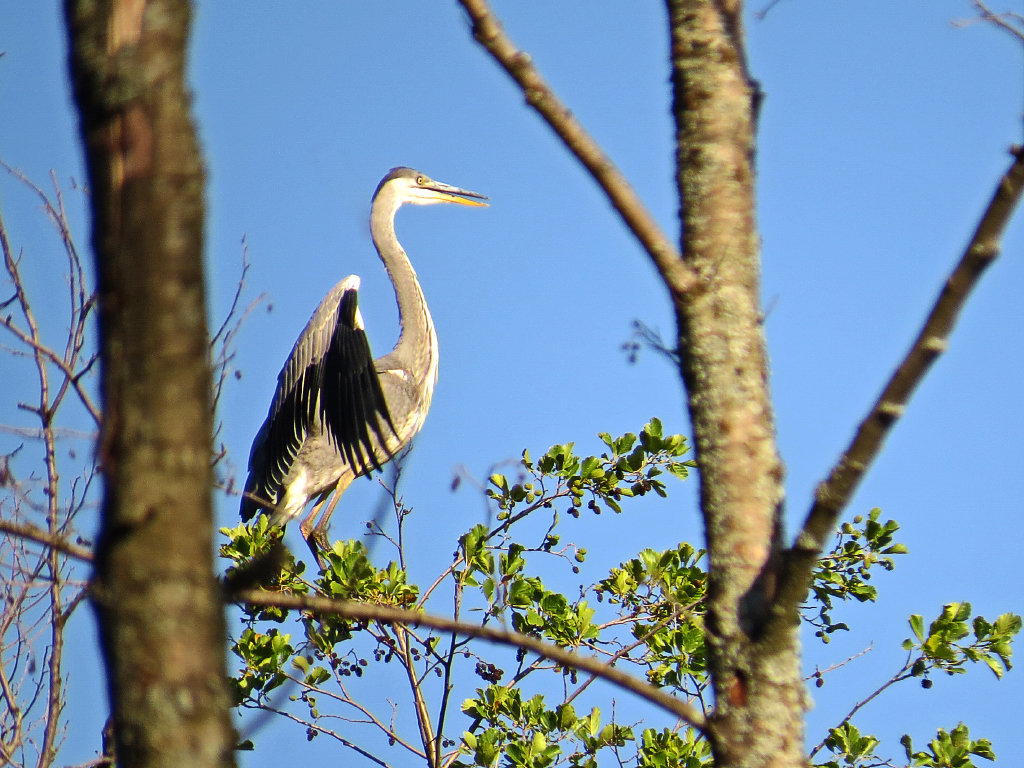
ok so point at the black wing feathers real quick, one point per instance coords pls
(351, 398)
(337, 389)
(289, 424)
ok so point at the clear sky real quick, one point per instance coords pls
(884, 129)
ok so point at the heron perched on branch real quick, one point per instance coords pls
(338, 413)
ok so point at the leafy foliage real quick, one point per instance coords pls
(952, 749)
(844, 573)
(855, 748)
(940, 648)
(949, 749)
(645, 614)
(528, 733)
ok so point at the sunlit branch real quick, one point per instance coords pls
(902, 674)
(561, 656)
(41, 536)
(834, 494)
(679, 277)
(423, 722)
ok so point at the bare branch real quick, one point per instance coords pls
(328, 732)
(1002, 20)
(40, 536)
(566, 658)
(834, 494)
(763, 13)
(902, 674)
(67, 363)
(679, 278)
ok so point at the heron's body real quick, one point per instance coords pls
(337, 413)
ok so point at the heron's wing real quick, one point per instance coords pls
(296, 402)
(311, 347)
(353, 408)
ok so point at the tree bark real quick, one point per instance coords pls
(759, 694)
(158, 603)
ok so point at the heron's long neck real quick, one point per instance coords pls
(417, 342)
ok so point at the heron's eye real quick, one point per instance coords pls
(421, 180)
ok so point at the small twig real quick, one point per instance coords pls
(626, 650)
(557, 654)
(1000, 19)
(79, 305)
(763, 13)
(221, 352)
(40, 536)
(839, 664)
(834, 494)
(488, 32)
(33, 433)
(370, 719)
(333, 734)
(645, 336)
(902, 674)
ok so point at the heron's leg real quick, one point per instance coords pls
(316, 537)
(306, 527)
(307, 522)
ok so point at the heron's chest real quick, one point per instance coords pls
(409, 388)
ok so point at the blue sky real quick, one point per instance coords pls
(883, 132)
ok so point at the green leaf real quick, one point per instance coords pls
(917, 626)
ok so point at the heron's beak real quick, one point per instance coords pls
(446, 193)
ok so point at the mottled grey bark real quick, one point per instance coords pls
(755, 664)
(158, 603)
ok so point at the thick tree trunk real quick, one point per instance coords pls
(760, 697)
(159, 607)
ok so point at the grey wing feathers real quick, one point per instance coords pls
(329, 380)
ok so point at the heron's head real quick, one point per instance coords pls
(411, 186)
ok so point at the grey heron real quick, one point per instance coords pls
(337, 413)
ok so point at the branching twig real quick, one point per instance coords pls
(763, 13)
(41, 536)
(561, 656)
(834, 494)
(902, 674)
(625, 650)
(333, 734)
(1000, 19)
(389, 731)
(679, 277)
(39, 594)
(81, 303)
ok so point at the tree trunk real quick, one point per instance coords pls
(158, 603)
(760, 697)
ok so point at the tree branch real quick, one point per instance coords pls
(834, 494)
(389, 615)
(41, 536)
(678, 277)
(903, 674)
(1000, 20)
(69, 362)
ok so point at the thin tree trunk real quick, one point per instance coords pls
(760, 697)
(159, 607)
